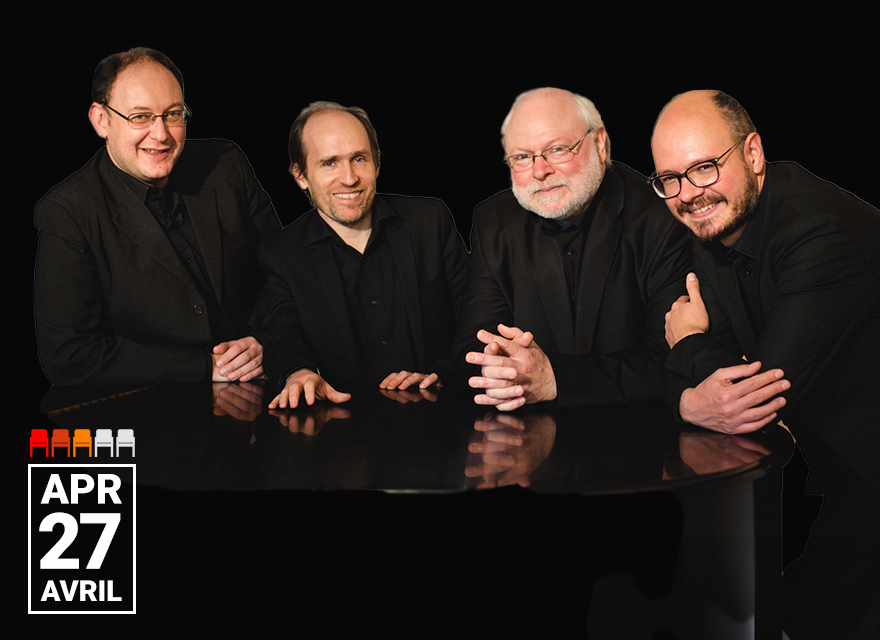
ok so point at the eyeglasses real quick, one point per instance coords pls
(553, 155)
(173, 118)
(702, 174)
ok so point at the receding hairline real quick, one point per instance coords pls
(729, 109)
(296, 142)
(586, 109)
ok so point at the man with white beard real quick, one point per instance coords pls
(572, 270)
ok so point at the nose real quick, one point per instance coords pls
(348, 176)
(541, 168)
(159, 129)
(689, 192)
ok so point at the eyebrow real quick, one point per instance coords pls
(353, 154)
(172, 107)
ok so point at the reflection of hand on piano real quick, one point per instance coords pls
(240, 400)
(404, 396)
(709, 452)
(309, 420)
(511, 448)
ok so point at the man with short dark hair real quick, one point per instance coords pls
(147, 263)
(363, 290)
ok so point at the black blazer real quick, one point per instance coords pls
(306, 321)
(113, 302)
(818, 303)
(634, 268)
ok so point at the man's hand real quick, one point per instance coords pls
(515, 370)
(240, 360)
(688, 314)
(311, 386)
(405, 379)
(732, 400)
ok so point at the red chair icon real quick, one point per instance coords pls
(60, 439)
(39, 438)
(82, 438)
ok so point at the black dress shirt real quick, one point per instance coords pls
(743, 257)
(374, 300)
(571, 237)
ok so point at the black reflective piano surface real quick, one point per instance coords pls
(422, 514)
(222, 437)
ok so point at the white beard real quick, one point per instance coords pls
(580, 189)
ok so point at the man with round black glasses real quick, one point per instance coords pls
(781, 321)
(147, 263)
(787, 265)
(571, 270)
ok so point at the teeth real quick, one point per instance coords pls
(702, 209)
(347, 196)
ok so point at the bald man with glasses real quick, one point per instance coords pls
(786, 276)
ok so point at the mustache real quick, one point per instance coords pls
(684, 208)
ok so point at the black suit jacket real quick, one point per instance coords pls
(633, 269)
(113, 301)
(306, 320)
(818, 309)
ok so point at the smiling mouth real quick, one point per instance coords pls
(700, 212)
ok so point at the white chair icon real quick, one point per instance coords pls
(125, 438)
(103, 438)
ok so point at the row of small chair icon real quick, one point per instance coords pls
(81, 438)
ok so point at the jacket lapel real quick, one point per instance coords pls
(202, 212)
(602, 229)
(402, 249)
(134, 220)
(601, 247)
(545, 266)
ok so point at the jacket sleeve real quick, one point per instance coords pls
(75, 336)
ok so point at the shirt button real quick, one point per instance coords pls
(198, 309)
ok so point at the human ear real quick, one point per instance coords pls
(753, 151)
(98, 118)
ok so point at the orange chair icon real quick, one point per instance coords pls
(82, 438)
(40, 439)
(60, 439)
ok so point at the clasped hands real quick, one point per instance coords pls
(237, 360)
(738, 399)
(514, 370)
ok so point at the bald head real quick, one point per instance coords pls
(693, 131)
(703, 108)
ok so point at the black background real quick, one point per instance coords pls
(436, 87)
